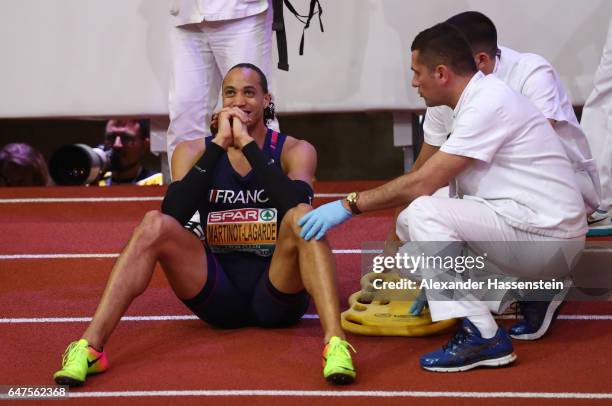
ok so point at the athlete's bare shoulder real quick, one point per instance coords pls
(299, 159)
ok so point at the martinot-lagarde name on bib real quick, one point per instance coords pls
(246, 230)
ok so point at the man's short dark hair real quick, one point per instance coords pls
(443, 44)
(144, 128)
(479, 31)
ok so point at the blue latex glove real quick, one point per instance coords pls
(318, 221)
(419, 304)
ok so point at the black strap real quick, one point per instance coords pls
(278, 25)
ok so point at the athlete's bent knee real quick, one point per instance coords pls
(155, 224)
(294, 214)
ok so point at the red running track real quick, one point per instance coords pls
(188, 355)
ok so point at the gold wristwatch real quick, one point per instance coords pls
(351, 199)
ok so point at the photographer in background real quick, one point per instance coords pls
(129, 141)
(22, 165)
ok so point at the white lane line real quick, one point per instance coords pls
(326, 195)
(124, 318)
(57, 256)
(118, 199)
(564, 317)
(41, 320)
(115, 255)
(83, 199)
(337, 393)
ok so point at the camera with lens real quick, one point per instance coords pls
(80, 164)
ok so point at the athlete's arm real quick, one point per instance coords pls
(294, 187)
(185, 156)
(185, 196)
(299, 160)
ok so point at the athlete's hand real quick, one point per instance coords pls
(240, 122)
(241, 135)
(316, 223)
(214, 123)
(224, 137)
(419, 304)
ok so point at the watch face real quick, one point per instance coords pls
(351, 197)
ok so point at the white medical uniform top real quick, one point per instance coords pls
(532, 76)
(520, 170)
(196, 11)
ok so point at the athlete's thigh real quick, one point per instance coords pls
(182, 257)
(274, 308)
(220, 302)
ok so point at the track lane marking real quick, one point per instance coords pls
(116, 254)
(349, 393)
(182, 317)
(119, 199)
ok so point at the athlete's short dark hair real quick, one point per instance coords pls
(479, 31)
(444, 44)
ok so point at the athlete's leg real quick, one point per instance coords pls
(299, 264)
(157, 238)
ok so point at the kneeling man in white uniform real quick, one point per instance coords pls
(506, 165)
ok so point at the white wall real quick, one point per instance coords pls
(110, 57)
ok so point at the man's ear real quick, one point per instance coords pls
(267, 100)
(482, 60)
(441, 72)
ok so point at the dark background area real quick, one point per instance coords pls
(350, 146)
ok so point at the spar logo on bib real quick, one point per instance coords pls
(267, 214)
(245, 230)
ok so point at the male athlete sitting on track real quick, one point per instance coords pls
(514, 183)
(252, 185)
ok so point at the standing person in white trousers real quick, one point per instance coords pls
(512, 176)
(597, 124)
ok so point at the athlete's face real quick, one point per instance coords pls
(242, 89)
(426, 81)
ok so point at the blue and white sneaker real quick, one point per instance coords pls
(537, 318)
(600, 224)
(467, 349)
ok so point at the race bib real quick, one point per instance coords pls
(244, 230)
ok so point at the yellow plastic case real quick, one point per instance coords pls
(390, 318)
